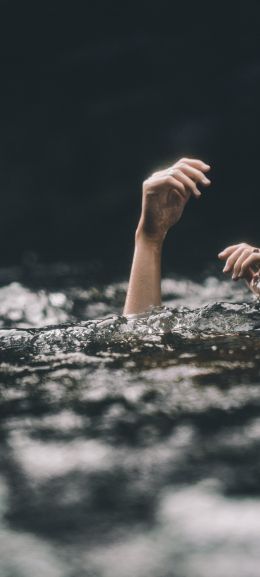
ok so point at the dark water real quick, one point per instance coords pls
(129, 448)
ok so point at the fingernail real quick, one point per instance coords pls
(225, 269)
(205, 180)
(234, 277)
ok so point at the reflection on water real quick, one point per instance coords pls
(129, 448)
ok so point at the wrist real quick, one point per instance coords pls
(153, 241)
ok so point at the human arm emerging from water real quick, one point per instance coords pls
(165, 195)
(243, 262)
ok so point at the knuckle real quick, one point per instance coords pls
(181, 186)
(148, 183)
(155, 174)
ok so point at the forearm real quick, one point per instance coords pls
(144, 290)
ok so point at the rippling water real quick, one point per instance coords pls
(129, 447)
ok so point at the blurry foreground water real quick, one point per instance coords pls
(129, 448)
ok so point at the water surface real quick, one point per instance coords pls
(129, 447)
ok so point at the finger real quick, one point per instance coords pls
(237, 266)
(254, 285)
(197, 175)
(188, 183)
(179, 186)
(196, 163)
(172, 183)
(156, 182)
(252, 259)
(228, 251)
(233, 258)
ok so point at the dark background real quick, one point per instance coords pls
(95, 95)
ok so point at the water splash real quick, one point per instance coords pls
(31, 320)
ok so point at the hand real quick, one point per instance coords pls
(243, 261)
(165, 195)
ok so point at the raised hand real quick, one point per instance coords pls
(243, 262)
(166, 193)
